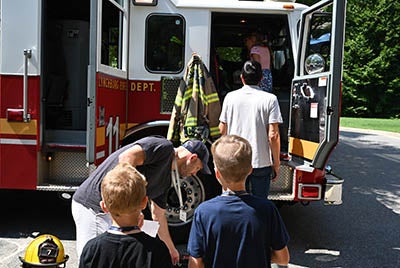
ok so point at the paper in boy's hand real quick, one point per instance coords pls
(150, 227)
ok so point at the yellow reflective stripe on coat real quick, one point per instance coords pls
(191, 121)
(214, 131)
(178, 100)
(212, 98)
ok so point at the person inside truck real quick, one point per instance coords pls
(259, 51)
(156, 158)
(124, 244)
(255, 115)
(236, 229)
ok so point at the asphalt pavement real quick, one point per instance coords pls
(26, 214)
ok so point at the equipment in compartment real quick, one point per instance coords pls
(66, 83)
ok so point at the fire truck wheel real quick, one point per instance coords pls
(195, 190)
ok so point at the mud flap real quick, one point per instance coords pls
(333, 190)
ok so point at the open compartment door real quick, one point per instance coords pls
(316, 87)
(107, 78)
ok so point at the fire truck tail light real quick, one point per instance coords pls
(15, 115)
(310, 191)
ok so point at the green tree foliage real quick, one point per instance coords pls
(371, 61)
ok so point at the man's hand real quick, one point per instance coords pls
(158, 214)
(174, 256)
(275, 171)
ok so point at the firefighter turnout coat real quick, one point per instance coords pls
(197, 107)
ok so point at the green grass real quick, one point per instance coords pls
(391, 125)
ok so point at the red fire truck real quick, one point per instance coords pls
(80, 78)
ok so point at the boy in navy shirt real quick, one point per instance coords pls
(236, 229)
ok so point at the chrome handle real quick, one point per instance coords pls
(27, 55)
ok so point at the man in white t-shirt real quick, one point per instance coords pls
(255, 115)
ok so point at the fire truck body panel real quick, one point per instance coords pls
(77, 83)
(18, 143)
(15, 39)
(199, 26)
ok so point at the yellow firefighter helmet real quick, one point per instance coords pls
(44, 251)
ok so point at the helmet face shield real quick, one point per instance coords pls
(44, 251)
(48, 252)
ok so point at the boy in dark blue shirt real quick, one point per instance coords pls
(236, 229)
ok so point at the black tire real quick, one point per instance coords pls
(203, 188)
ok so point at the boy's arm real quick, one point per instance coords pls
(280, 257)
(196, 262)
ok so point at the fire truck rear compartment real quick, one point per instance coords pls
(64, 95)
(228, 53)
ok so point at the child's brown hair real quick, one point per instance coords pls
(232, 157)
(123, 189)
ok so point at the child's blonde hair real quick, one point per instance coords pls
(232, 157)
(123, 189)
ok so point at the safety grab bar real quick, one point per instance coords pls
(27, 55)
